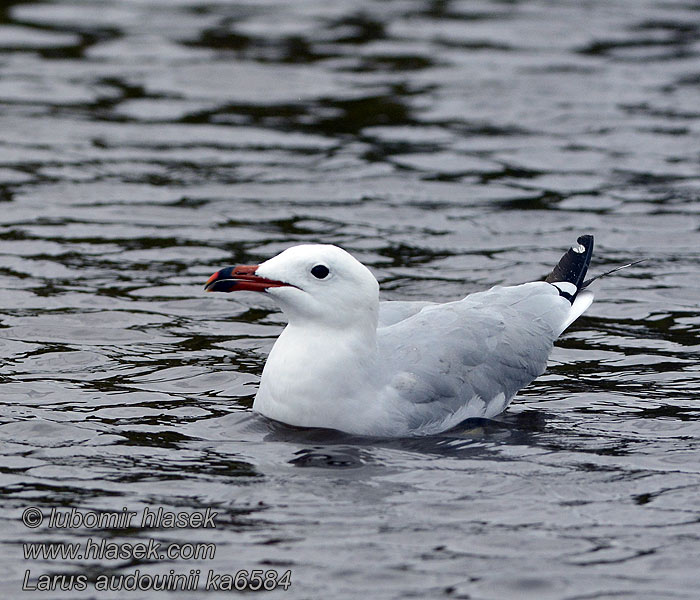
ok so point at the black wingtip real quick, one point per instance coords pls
(572, 268)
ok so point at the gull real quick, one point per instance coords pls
(349, 362)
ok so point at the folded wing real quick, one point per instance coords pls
(468, 358)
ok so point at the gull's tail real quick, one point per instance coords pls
(569, 278)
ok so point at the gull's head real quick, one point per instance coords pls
(317, 283)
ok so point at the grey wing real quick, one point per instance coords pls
(479, 351)
(393, 311)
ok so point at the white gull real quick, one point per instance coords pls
(349, 362)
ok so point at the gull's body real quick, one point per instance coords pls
(346, 361)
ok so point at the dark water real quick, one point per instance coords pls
(448, 145)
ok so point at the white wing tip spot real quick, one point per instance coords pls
(579, 248)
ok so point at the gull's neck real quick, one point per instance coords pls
(319, 376)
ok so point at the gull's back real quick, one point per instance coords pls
(394, 311)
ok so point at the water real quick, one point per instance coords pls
(450, 146)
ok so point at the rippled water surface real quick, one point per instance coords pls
(450, 146)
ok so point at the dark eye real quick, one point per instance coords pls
(320, 271)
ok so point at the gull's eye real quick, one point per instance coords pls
(320, 271)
